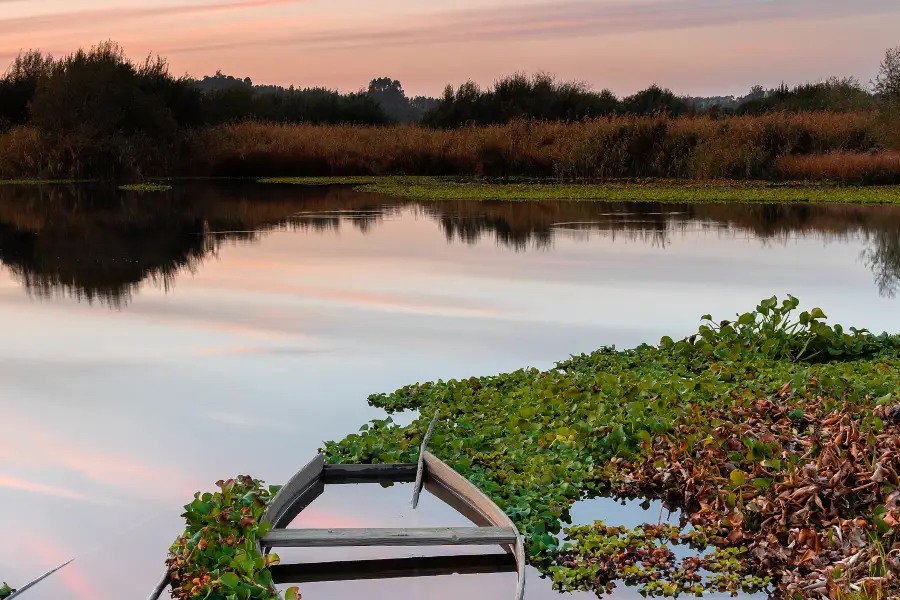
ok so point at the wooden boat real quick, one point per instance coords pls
(493, 526)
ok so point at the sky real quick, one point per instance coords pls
(697, 47)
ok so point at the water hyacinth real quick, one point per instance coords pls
(774, 433)
(216, 558)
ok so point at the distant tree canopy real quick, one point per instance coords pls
(887, 83)
(518, 96)
(835, 94)
(654, 101)
(100, 92)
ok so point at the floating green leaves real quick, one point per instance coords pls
(772, 432)
(145, 187)
(216, 557)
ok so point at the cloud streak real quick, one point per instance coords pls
(562, 19)
(69, 19)
(30, 486)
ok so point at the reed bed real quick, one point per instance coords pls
(848, 147)
(868, 167)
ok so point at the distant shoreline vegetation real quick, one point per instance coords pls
(96, 113)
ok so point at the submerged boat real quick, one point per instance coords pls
(493, 526)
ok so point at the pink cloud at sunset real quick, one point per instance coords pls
(30, 486)
(693, 46)
(31, 445)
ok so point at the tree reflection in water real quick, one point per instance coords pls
(97, 244)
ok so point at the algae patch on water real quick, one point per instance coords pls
(653, 191)
(145, 187)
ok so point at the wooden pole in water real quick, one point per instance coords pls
(420, 471)
(39, 579)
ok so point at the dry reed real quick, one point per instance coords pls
(761, 147)
(866, 167)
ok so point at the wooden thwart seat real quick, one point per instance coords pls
(373, 536)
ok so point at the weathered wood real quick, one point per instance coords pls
(304, 498)
(420, 470)
(441, 473)
(393, 568)
(458, 485)
(286, 496)
(456, 502)
(34, 582)
(160, 587)
(340, 474)
(426, 536)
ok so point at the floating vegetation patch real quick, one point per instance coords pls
(649, 191)
(145, 187)
(44, 181)
(776, 434)
(216, 557)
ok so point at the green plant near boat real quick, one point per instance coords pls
(216, 558)
(767, 431)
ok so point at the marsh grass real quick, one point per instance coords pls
(688, 147)
(864, 167)
(741, 147)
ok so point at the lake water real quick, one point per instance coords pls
(152, 344)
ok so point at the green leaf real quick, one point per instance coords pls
(292, 593)
(762, 483)
(229, 580)
(738, 477)
(797, 414)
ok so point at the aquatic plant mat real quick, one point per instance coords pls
(775, 434)
(434, 188)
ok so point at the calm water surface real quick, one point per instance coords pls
(154, 344)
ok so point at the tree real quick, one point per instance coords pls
(655, 101)
(389, 95)
(19, 84)
(887, 83)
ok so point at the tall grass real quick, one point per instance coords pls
(820, 145)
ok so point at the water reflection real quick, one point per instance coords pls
(290, 306)
(94, 243)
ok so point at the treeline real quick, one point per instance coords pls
(98, 113)
(125, 96)
(118, 95)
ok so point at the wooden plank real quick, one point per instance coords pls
(393, 568)
(33, 583)
(341, 474)
(160, 587)
(455, 483)
(466, 490)
(456, 502)
(303, 499)
(301, 481)
(520, 567)
(426, 536)
(420, 467)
